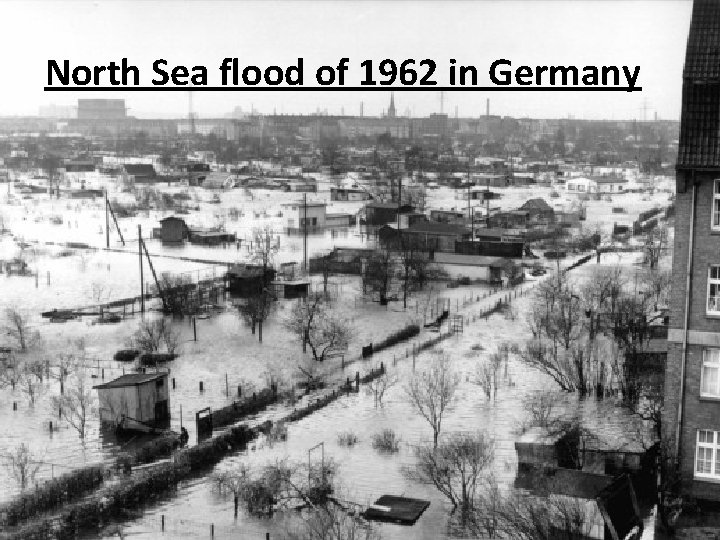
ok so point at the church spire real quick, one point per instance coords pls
(391, 108)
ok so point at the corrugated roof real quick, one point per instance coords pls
(132, 379)
(700, 119)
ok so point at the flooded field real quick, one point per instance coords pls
(226, 355)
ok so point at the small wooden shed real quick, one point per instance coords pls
(141, 397)
(173, 229)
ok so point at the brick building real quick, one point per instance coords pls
(691, 419)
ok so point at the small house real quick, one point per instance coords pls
(173, 229)
(140, 173)
(513, 219)
(349, 194)
(140, 397)
(309, 216)
(428, 236)
(246, 280)
(15, 267)
(538, 211)
(382, 213)
(291, 289)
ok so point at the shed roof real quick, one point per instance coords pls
(132, 379)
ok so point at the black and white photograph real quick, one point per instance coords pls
(360, 270)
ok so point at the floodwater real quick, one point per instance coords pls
(226, 354)
(363, 473)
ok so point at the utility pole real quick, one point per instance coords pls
(470, 212)
(399, 202)
(305, 232)
(107, 222)
(142, 282)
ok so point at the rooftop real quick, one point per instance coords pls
(132, 379)
(700, 118)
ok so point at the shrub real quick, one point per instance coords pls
(347, 438)
(386, 441)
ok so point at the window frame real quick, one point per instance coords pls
(712, 281)
(714, 448)
(715, 199)
(716, 365)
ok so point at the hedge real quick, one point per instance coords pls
(393, 339)
(53, 493)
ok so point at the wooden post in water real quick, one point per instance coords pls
(227, 388)
(194, 323)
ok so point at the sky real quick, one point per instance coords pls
(650, 34)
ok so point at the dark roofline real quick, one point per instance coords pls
(151, 377)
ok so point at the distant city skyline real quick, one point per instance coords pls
(650, 34)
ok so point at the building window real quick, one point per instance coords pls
(707, 457)
(713, 295)
(716, 206)
(710, 375)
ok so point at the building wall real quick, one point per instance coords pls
(115, 402)
(704, 331)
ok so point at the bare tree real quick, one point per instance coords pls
(656, 243)
(431, 392)
(29, 382)
(455, 467)
(280, 484)
(487, 372)
(151, 336)
(331, 522)
(414, 265)
(313, 373)
(557, 327)
(16, 325)
(379, 385)
(179, 294)
(255, 309)
(319, 327)
(234, 482)
(540, 407)
(263, 250)
(527, 517)
(77, 403)
(659, 281)
(66, 364)
(10, 372)
(22, 465)
(379, 274)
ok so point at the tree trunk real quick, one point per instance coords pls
(253, 327)
(260, 330)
